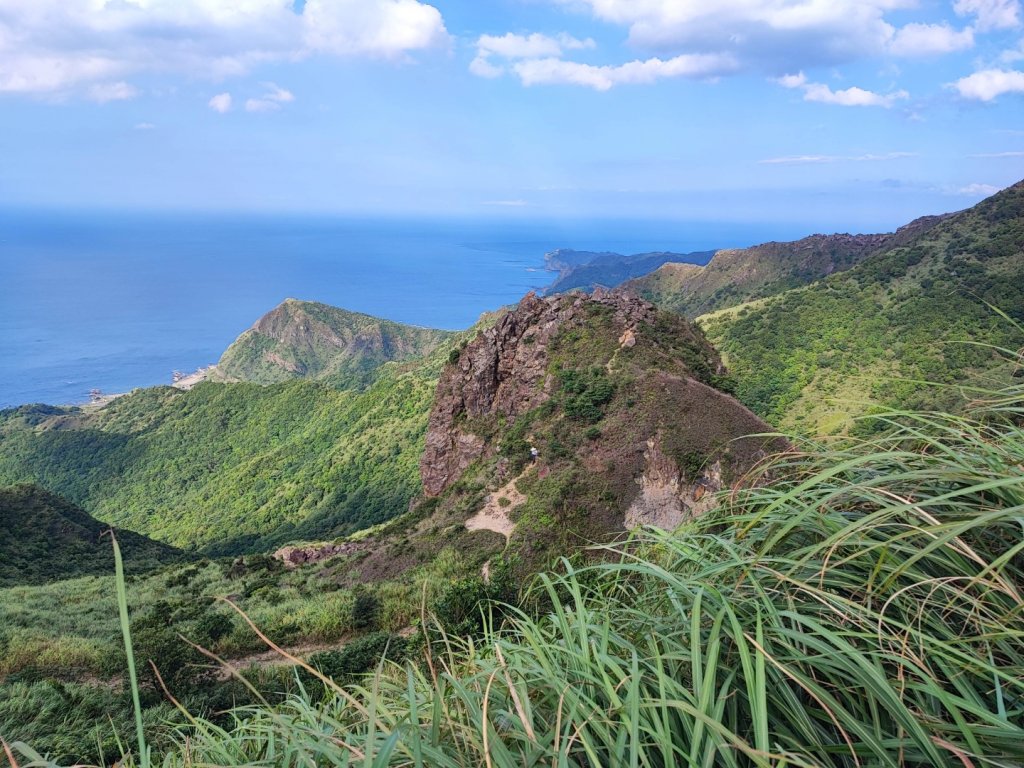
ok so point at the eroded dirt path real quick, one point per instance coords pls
(494, 515)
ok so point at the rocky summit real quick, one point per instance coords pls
(587, 413)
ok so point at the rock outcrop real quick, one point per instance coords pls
(294, 556)
(504, 373)
(609, 413)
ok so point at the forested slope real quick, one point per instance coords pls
(888, 330)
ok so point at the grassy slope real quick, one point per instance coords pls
(232, 467)
(304, 339)
(44, 538)
(811, 357)
(861, 609)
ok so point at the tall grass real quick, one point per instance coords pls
(855, 606)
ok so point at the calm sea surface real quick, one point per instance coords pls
(120, 301)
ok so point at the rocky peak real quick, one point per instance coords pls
(504, 373)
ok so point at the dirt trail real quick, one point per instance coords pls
(270, 658)
(493, 516)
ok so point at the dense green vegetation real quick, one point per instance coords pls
(62, 665)
(232, 467)
(920, 312)
(305, 339)
(44, 538)
(862, 608)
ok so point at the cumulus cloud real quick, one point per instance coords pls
(220, 103)
(990, 14)
(68, 46)
(512, 46)
(532, 46)
(557, 71)
(773, 35)
(989, 84)
(847, 97)
(371, 27)
(852, 97)
(272, 100)
(930, 39)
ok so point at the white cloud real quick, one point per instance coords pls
(990, 14)
(558, 71)
(512, 46)
(533, 46)
(999, 154)
(851, 97)
(101, 93)
(220, 103)
(144, 126)
(61, 47)
(848, 97)
(772, 35)
(482, 67)
(989, 84)
(930, 39)
(270, 101)
(506, 203)
(978, 190)
(372, 27)
(792, 81)
(817, 159)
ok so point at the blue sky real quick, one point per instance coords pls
(844, 114)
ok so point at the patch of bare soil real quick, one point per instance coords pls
(494, 515)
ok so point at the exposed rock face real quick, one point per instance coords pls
(504, 373)
(666, 498)
(293, 557)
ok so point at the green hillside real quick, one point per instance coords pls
(231, 467)
(740, 275)
(44, 538)
(914, 312)
(305, 339)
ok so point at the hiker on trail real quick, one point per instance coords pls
(534, 453)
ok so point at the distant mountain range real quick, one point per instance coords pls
(587, 270)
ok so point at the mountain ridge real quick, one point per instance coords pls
(739, 275)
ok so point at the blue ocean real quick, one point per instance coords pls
(113, 302)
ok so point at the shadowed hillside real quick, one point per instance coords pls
(45, 538)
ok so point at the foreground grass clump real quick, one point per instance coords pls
(863, 608)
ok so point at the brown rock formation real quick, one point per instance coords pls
(504, 373)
